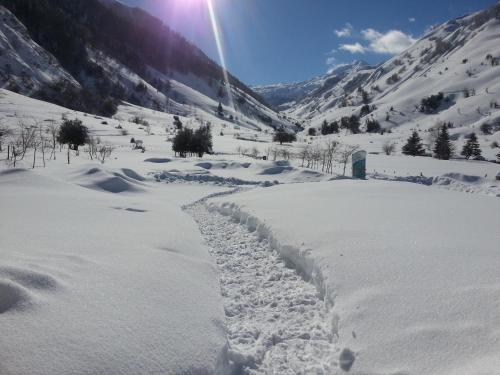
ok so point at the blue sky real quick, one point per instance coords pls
(269, 41)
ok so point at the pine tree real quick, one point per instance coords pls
(472, 148)
(414, 146)
(220, 110)
(443, 148)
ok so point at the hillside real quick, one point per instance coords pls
(459, 58)
(288, 95)
(92, 55)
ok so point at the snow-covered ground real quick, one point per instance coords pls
(104, 270)
(411, 271)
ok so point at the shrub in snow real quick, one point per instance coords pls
(177, 123)
(72, 133)
(431, 103)
(414, 146)
(196, 142)
(471, 148)
(372, 126)
(486, 128)
(312, 132)
(388, 148)
(220, 110)
(329, 128)
(351, 123)
(392, 79)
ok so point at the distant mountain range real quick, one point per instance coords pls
(287, 95)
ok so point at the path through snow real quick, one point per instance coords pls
(276, 321)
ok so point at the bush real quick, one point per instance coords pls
(431, 103)
(372, 126)
(388, 148)
(392, 79)
(312, 132)
(351, 123)
(486, 128)
(198, 142)
(329, 128)
(73, 133)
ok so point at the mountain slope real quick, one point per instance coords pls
(286, 95)
(90, 56)
(459, 58)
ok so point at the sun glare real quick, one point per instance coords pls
(218, 41)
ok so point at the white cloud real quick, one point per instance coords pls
(332, 68)
(344, 32)
(353, 48)
(392, 42)
(411, 19)
(331, 60)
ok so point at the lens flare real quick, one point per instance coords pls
(220, 50)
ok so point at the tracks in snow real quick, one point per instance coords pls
(276, 321)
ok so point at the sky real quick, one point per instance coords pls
(271, 41)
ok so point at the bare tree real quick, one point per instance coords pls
(5, 132)
(389, 148)
(53, 131)
(105, 151)
(344, 153)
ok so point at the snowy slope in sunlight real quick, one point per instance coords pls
(102, 273)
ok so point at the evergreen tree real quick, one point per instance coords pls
(414, 146)
(471, 148)
(443, 149)
(220, 110)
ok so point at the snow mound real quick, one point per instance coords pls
(30, 279)
(112, 182)
(158, 160)
(133, 174)
(176, 176)
(467, 184)
(451, 181)
(223, 165)
(277, 170)
(12, 297)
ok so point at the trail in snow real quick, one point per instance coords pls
(276, 321)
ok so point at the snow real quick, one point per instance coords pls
(103, 273)
(411, 271)
(276, 320)
(101, 270)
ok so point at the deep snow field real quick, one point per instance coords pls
(125, 268)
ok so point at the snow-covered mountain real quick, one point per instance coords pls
(287, 95)
(92, 55)
(459, 58)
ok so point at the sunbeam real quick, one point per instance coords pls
(220, 50)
